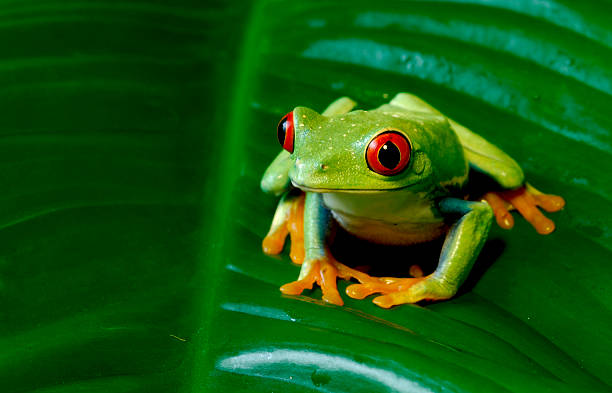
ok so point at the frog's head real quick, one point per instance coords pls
(365, 151)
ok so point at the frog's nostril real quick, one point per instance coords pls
(324, 167)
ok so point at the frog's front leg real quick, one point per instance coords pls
(319, 265)
(288, 220)
(461, 247)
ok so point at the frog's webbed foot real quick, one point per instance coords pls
(324, 272)
(399, 290)
(526, 200)
(288, 220)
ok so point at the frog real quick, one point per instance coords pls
(395, 175)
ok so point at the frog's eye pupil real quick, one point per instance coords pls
(285, 132)
(388, 153)
(281, 132)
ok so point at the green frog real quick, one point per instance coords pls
(393, 175)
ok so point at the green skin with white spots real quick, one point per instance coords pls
(416, 205)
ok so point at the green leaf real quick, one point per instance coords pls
(134, 136)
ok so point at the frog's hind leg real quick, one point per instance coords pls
(526, 200)
(340, 106)
(288, 220)
(411, 102)
(482, 155)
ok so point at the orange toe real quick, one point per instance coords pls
(359, 291)
(542, 225)
(297, 287)
(332, 296)
(297, 251)
(416, 271)
(326, 279)
(385, 301)
(550, 203)
(502, 215)
(273, 243)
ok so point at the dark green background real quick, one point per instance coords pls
(133, 136)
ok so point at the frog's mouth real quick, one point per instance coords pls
(343, 190)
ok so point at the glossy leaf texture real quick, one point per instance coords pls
(134, 135)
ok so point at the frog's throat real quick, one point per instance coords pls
(346, 190)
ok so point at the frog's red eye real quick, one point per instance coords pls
(388, 153)
(285, 132)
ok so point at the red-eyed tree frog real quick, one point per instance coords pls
(392, 175)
